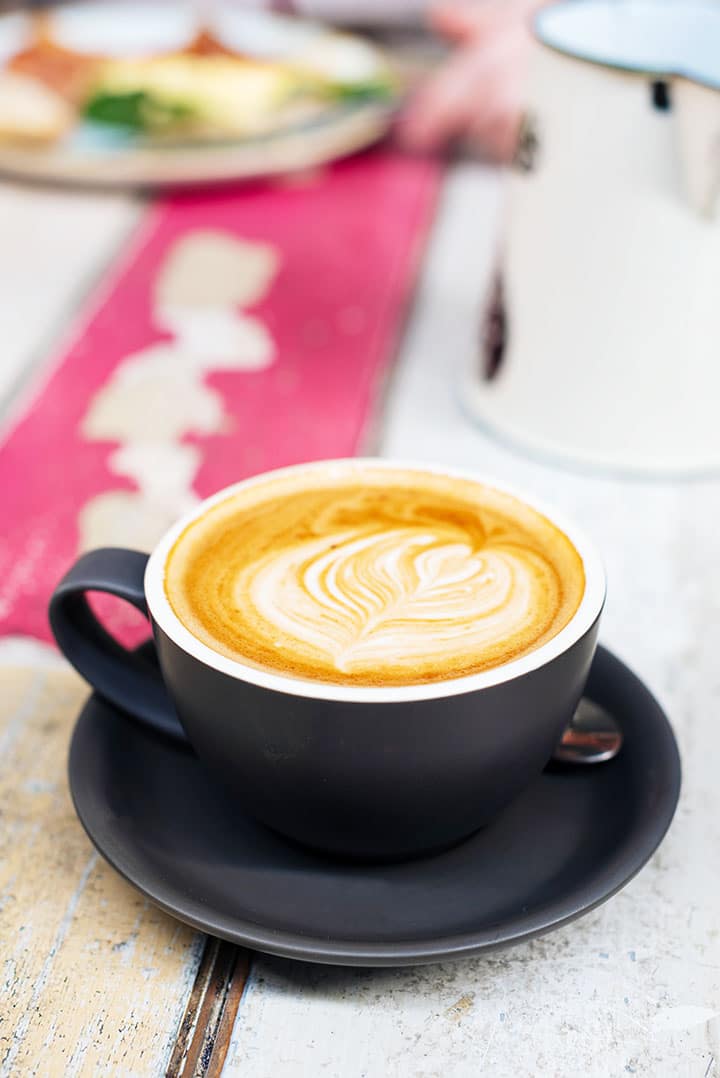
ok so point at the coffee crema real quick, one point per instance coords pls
(375, 576)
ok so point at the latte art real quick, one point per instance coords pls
(387, 578)
(400, 593)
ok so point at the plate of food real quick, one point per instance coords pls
(151, 94)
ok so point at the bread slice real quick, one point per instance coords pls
(30, 112)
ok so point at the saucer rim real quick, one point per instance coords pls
(595, 888)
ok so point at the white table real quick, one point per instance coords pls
(633, 988)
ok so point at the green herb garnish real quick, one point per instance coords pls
(360, 92)
(136, 111)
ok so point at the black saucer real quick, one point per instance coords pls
(572, 840)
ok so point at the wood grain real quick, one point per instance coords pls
(94, 979)
(40, 298)
(207, 1025)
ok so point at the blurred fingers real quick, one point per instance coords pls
(444, 107)
(464, 21)
(477, 96)
(496, 128)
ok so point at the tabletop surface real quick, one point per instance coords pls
(633, 988)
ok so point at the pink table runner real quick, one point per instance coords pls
(242, 331)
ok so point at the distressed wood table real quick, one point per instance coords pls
(95, 981)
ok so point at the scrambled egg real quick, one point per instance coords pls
(220, 94)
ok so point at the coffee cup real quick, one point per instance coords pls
(412, 740)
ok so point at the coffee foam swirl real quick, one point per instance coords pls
(401, 579)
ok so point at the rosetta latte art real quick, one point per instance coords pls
(386, 584)
(401, 594)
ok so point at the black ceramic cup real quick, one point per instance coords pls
(359, 772)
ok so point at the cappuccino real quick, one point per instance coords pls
(362, 574)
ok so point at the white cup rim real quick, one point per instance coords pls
(582, 620)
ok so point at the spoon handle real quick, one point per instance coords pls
(593, 737)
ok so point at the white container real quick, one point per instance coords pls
(607, 297)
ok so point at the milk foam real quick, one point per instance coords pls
(401, 578)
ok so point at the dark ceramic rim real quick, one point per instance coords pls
(631, 855)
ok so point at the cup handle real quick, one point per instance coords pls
(126, 678)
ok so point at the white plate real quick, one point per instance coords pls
(92, 156)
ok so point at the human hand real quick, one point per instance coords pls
(477, 95)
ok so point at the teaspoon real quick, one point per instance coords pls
(593, 737)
